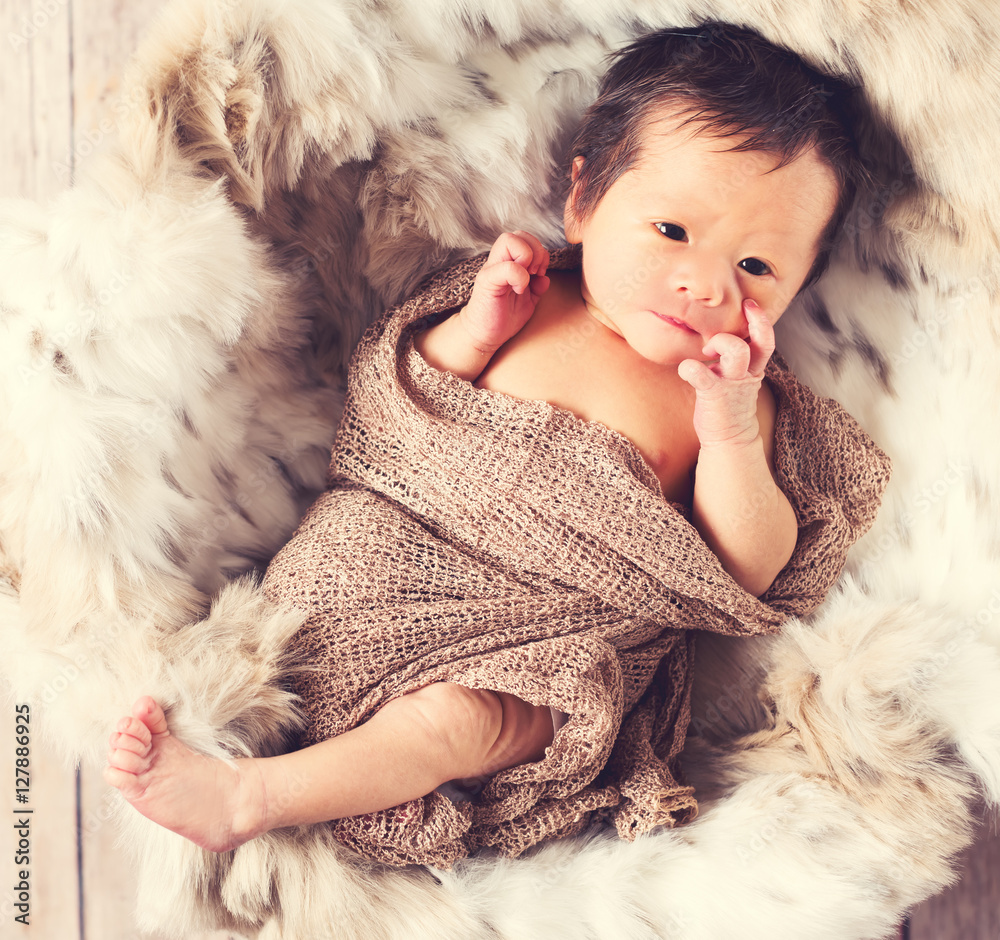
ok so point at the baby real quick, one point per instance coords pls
(703, 206)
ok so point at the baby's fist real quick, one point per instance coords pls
(727, 390)
(506, 290)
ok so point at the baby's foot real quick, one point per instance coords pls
(202, 798)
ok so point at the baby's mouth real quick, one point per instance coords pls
(680, 324)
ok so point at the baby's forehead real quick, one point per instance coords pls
(670, 135)
(666, 126)
(694, 174)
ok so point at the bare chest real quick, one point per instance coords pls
(575, 363)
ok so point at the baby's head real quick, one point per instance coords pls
(738, 144)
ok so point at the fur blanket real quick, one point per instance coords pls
(475, 538)
(175, 330)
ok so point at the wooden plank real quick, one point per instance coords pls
(35, 105)
(105, 34)
(35, 102)
(969, 910)
(17, 140)
(109, 883)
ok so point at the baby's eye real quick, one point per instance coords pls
(672, 231)
(755, 266)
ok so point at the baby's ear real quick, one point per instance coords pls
(571, 222)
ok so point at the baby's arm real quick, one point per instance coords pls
(503, 299)
(738, 508)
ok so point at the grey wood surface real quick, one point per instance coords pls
(60, 68)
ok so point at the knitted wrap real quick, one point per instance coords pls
(472, 537)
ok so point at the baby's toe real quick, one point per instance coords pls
(113, 777)
(147, 710)
(128, 742)
(120, 780)
(137, 729)
(122, 759)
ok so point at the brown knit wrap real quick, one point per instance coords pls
(504, 544)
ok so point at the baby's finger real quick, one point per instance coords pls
(696, 374)
(761, 337)
(509, 247)
(733, 353)
(538, 285)
(512, 246)
(502, 276)
(538, 261)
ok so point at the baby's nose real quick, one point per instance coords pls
(701, 280)
(708, 295)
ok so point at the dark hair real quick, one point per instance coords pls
(732, 82)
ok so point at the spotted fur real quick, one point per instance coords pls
(174, 330)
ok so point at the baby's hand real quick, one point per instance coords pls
(506, 290)
(725, 410)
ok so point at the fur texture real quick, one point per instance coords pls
(174, 331)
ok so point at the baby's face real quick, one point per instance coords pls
(683, 238)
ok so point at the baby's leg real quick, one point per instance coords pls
(409, 747)
(203, 799)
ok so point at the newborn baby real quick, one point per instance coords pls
(700, 215)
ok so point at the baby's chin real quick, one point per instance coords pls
(668, 355)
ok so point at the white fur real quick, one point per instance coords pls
(173, 331)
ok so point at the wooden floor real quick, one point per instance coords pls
(59, 73)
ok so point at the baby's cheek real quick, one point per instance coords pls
(777, 303)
